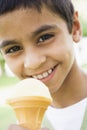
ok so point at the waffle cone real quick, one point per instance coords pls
(30, 110)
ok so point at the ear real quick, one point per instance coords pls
(76, 30)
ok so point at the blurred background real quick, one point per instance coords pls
(7, 78)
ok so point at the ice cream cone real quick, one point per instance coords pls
(30, 99)
(30, 110)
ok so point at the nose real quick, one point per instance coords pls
(34, 61)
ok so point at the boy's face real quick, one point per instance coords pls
(37, 45)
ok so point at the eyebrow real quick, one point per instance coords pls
(43, 29)
(5, 43)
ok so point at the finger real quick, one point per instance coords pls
(44, 129)
(16, 127)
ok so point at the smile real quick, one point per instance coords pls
(44, 75)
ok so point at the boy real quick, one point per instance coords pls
(36, 40)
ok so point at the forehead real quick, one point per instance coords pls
(25, 16)
(25, 21)
(16, 19)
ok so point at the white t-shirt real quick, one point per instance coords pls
(69, 118)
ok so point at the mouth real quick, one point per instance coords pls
(44, 74)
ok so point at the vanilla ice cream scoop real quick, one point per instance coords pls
(30, 99)
(30, 87)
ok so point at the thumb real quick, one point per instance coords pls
(16, 127)
(44, 129)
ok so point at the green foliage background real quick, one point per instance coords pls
(81, 7)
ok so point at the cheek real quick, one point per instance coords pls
(14, 66)
(63, 55)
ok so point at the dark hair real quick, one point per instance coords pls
(64, 8)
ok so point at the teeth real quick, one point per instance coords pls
(34, 77)
(43, 75)
(50, 71)
(39, 76)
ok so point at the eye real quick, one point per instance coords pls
(45, 37)
(13, 49)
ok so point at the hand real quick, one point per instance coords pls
(44, 129)
(17, 127)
